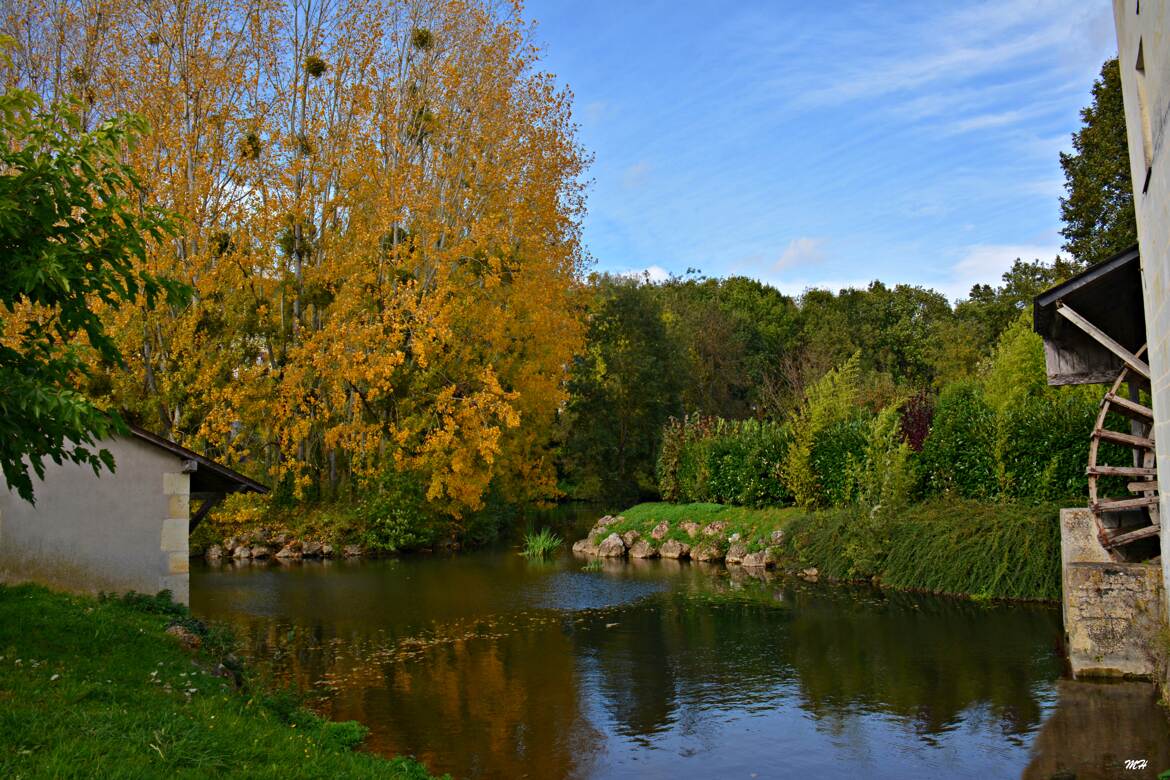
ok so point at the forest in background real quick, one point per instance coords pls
(378, 300)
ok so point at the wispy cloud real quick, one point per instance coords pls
(634, 176)
(922, 137)
(801, 252)
(954, 48)
(594, 111)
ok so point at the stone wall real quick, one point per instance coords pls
(117, 532)
(1112, 611)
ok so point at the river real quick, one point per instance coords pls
(488, 665)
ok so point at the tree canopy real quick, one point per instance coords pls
(74, 237)
(1097, 208)
(378, 212)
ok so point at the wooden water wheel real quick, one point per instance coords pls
(1124, 520)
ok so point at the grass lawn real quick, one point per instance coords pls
(96, 688)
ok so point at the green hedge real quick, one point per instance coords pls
(1043, 444)
(1034, 449)
(958, 455)
(834, 449)
(707, 459)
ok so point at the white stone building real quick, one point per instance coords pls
(119, 531)
(1144, 57)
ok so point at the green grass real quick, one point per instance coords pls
(542, 544)
(948, 546)
(755, 526)
(1001, 550)
(95, 688)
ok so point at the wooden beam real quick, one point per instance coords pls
(1125, 438)
(1131, 409)
(1118, 504)
(1120, 471)
(208, 504)
(1142, 487)
(1132, 536)
(1127, 357)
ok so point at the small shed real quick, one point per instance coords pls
(1086, 319)
(119, 531)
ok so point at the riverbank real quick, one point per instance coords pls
(947, 546)
(135, 686)
(253, 529)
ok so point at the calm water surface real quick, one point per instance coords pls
(488, 665)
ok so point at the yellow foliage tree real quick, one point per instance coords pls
(381, 205)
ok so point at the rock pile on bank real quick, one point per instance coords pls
(707, 543)
(261, 546)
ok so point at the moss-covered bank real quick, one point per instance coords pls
(998, 550)
(97, 688)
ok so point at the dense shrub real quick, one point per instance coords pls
(706, 459)
(1042, 446)
(834, 449)
(959, 454)
(883, 476)
(1015, 370)
(395, 517)
(743, 463)
(830, 401)
(917, 415)
(681, 467)
(1007, 435)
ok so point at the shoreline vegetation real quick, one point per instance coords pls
(134, 686)
(955, 547)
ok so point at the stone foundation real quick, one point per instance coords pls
(1112, 611)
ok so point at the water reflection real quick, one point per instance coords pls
(488, 666)
(1097, 727)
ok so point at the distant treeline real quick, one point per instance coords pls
(727, 390)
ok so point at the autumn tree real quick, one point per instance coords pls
(379, 205)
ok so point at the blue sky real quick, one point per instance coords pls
(825, 144)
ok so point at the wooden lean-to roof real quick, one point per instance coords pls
(207, 476)
(1093, 324)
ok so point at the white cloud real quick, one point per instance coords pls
(803, 251)
(657, 273)
(986, 264)
(797, 287)
(652, 273)
(1049, 188)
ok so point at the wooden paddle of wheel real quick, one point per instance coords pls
(1143, 479)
